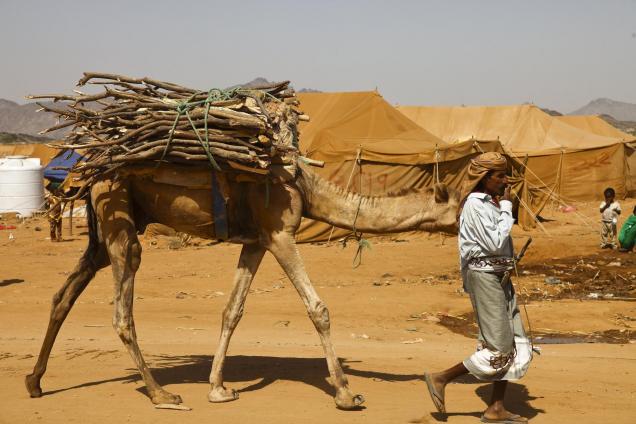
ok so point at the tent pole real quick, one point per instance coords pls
(559, 175)
(436, 165)
(535, 217)
(441, 237)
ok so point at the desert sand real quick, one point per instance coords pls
(387, 318)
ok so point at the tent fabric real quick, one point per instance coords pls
(572, 162)
(394, 152)
(341, 120)
(523, 129)
(596, 125)
(41, 151)
(58, 167)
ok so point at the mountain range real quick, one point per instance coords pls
(621, 111)
(21, 123)
(24, 120)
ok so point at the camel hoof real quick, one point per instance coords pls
(33, 386)
(349, 402)
(162, 396)
(221, 394)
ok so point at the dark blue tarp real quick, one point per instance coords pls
(66, 159)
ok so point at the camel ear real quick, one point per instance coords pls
(441, 193)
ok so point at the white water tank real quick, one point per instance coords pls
(21, 185)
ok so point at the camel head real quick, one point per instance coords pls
(440, 210)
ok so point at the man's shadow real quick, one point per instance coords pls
(517, 400)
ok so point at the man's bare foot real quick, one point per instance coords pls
(501, 415)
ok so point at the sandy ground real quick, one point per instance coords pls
(384, 327)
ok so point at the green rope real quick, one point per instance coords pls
(357, 236)
(206, 144)
(214, 95)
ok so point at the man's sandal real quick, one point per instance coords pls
(436, 397)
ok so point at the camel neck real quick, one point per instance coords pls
(324, 201)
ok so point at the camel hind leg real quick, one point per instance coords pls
(284, 249)
(93, 259)
(113, 207)
(251, 256)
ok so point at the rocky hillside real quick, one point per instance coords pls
(23, 119)
(620, 111)
(10, 138)
(551, 112)
(626, 126)
(260, 81)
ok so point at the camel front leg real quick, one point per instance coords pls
(284, 249)
(94, 258)
(112, 203)
(249, 261)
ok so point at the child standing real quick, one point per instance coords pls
(610, 209)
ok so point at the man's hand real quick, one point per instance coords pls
(506, 195)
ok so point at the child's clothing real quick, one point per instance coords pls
(609, 219)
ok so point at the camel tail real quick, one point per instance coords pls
(93, 230)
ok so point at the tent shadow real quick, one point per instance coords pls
(266, 369)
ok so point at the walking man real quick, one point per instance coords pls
(486, 258)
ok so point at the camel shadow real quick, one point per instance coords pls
(10, 281)
(517, 400)
(266, 369)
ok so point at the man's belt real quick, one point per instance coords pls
(498, 263)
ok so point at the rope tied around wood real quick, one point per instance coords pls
(142, 121)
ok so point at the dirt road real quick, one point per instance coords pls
(385, 326)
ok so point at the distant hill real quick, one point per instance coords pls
(260, 81)
(625, 126)
(256, 82)
(621, 111)
(24, 120)
(10, 138)
(551, 111)
(19, 121)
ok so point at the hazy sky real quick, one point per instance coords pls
(557, 54)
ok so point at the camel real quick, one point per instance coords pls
(268, 219)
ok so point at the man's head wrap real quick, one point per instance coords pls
(478, 168)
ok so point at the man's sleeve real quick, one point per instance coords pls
(491, 236)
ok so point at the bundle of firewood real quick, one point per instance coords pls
(147, 121)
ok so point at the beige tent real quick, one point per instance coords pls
(41, 151)
(596, 125)
(394, 152)
(561, 159)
